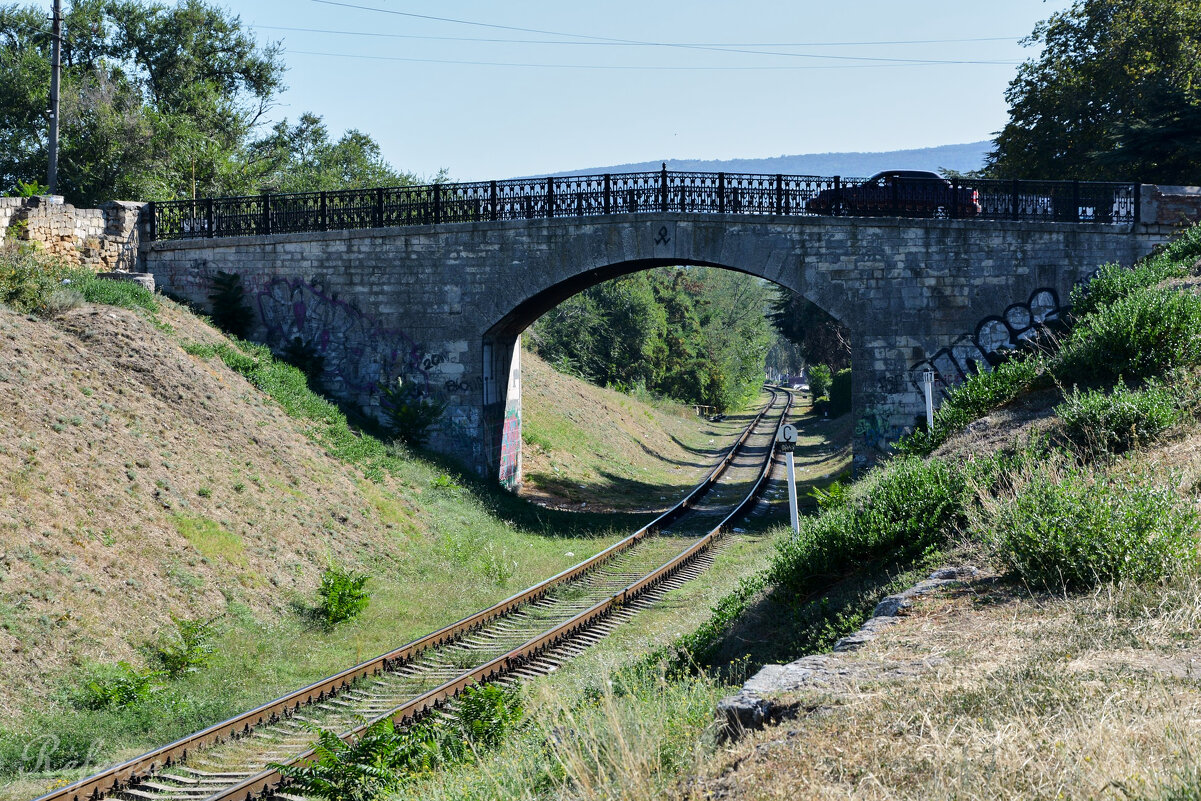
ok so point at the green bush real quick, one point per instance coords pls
(1074, 529)
(900, 512)
(114, 687)
(485, 714)
(342, 595)
(26, 279)
(1113, 282)
(840, 393)
(1138, 336)
(976, 397)
(819, 380)
(410, 413)
(1124, 418)
(35, 284)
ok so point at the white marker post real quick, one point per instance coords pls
(786, 439)
(928, 389)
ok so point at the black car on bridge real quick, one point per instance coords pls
(908, 193)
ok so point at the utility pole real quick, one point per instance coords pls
(55, 69)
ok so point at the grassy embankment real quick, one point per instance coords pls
(153, 469)
(590, 447)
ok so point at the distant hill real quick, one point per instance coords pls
(962, 158)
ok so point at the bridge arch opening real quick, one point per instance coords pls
(502, 349)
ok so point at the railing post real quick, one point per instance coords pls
(379, 208)
(896, 195)
(210, 217)
(954, 198)
(324, 212)
(550, 196)
(437, 203)
(1076, 202)
(836, 205)
(492, 197)
(1013, 205)
(663, 188)
(152, 221)
(632, 201)
(265, 224)
(1138, 202)
(721, 193)
(608, 194)
(779, 193)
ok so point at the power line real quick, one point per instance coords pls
(482, 40)
(614, 40)
(631, 67)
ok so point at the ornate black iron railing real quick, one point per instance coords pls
(662, 191)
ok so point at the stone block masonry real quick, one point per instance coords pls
(104, 239)
(443, 306)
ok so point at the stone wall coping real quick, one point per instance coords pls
(209, 243)
(1190, 191)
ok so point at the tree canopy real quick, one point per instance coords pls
(1114, 95)
(696, 334)
(159, 101)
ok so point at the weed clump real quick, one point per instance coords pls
(1068, 529)
(342, 596)
(186, 650)
(116, 686)
(1100, 423)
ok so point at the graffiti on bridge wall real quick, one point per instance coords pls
(510, 449)
(357, 352)
(993, 338)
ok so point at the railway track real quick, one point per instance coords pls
(528, 634)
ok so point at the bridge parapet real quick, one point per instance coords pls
(648, 192)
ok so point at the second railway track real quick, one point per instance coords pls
(523, 636)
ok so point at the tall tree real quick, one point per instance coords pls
(303, 158)
(152, 95)
(820, 338)
(1114, 95)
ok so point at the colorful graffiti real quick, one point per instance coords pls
(993, 338)
(875, 432)
(357, 352)
(510, 449)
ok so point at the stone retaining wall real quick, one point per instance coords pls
(105, 239)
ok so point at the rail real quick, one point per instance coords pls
(640, 192)
(133, 771)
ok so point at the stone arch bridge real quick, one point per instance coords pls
(443, 302)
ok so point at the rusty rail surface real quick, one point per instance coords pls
(130, 773)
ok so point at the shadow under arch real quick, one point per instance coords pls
(502, 359)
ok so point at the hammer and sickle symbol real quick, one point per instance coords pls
(662, 238)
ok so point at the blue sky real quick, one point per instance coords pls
(820, 77)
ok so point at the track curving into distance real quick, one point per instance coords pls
(525, 635)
